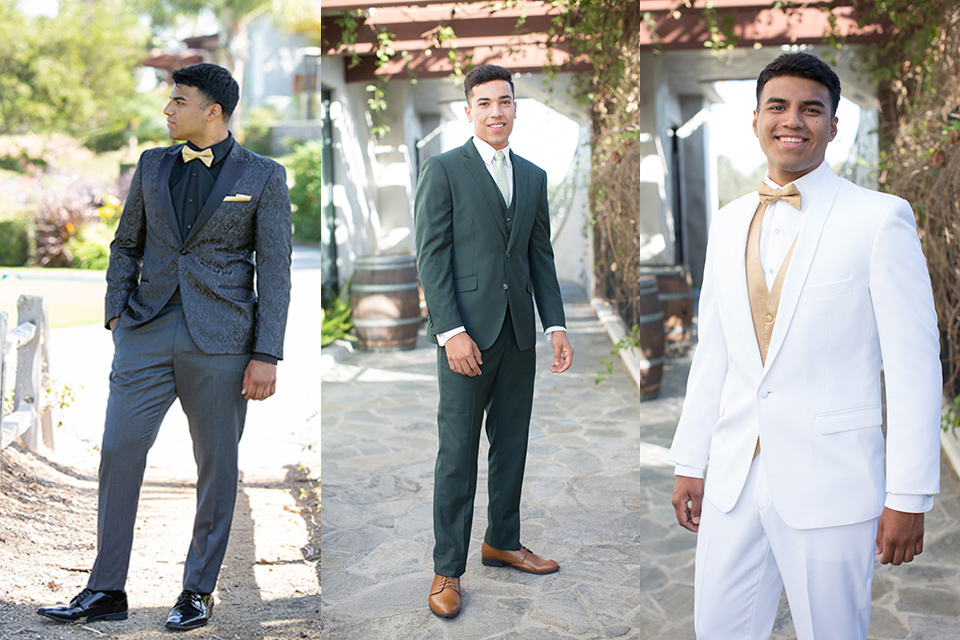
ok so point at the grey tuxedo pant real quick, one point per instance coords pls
(153, 364)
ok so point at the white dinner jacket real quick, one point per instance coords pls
(856, 294)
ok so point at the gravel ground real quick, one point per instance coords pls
(269, 584)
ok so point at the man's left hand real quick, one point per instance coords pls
(259, 380)
(562, 352)
(899, 536)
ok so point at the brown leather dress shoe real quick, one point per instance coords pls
(522, 559)
(445, 596)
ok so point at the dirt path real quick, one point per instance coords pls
(269, 584)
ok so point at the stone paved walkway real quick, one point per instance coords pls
(596, 499)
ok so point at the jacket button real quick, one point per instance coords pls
(508, 255)
(183, 252)
(504, 286)
(764, 393)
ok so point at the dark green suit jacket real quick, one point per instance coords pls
(471, 269)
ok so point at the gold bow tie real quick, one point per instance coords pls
(790, 194)
(205, 156)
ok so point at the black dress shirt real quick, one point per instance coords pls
(191, 183)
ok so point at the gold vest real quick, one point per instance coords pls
(763, 302)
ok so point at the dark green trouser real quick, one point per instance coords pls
(504, 390)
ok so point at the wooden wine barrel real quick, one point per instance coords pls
(385, 296)
(646, 328)
(676, 297)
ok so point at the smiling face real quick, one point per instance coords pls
(492, 111)
(794, 126)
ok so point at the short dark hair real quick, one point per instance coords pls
(214, 83)
(802, 65)
(483, 74)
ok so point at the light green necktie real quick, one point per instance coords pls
(500, 175)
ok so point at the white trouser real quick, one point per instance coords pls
(747, 556)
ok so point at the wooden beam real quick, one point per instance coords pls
(415, 28)
(765, 27)
(485, 37)
(519, 59)
(339, 6)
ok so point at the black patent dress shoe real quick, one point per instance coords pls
(90, 605)
(191, 611)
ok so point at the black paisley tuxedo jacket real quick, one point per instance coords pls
(243, 230)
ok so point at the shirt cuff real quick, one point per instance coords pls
(909, 503)
(262, 357)
(690, 472)
(554, 328)
(446, 335)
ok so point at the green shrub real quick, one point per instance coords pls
(76, 221)
(137, 115)
(90, 248)
(305, 193)
(15, 240)
(256, 129)
(336, 316)
(22, 163)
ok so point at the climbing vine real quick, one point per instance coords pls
(918, 76)
(384, 51)
(917, 72)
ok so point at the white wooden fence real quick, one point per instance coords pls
(28, 342)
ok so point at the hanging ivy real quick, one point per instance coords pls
(917, 72)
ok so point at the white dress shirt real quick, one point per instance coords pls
(781, 222)
(486, 154)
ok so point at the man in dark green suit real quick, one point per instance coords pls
(484, 254)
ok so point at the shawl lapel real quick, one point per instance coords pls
(163, 186)
(807, 240)
(731, 278)
(233, 167)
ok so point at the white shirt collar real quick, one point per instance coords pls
(486, 152)
(806, 184)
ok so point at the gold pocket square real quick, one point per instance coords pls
(240, 197)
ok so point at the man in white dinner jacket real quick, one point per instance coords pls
(809, 287)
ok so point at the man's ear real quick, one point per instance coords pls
(214, 111)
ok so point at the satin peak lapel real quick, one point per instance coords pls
(163, 186)
(233, 168)
(807, 240)
(485, 183)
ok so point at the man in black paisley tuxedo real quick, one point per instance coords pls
(201, 220)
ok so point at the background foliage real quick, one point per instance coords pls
(71, 112)
(15, 238)
(919, 76)
(305, 193)
(62, 210)
(65, 73)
